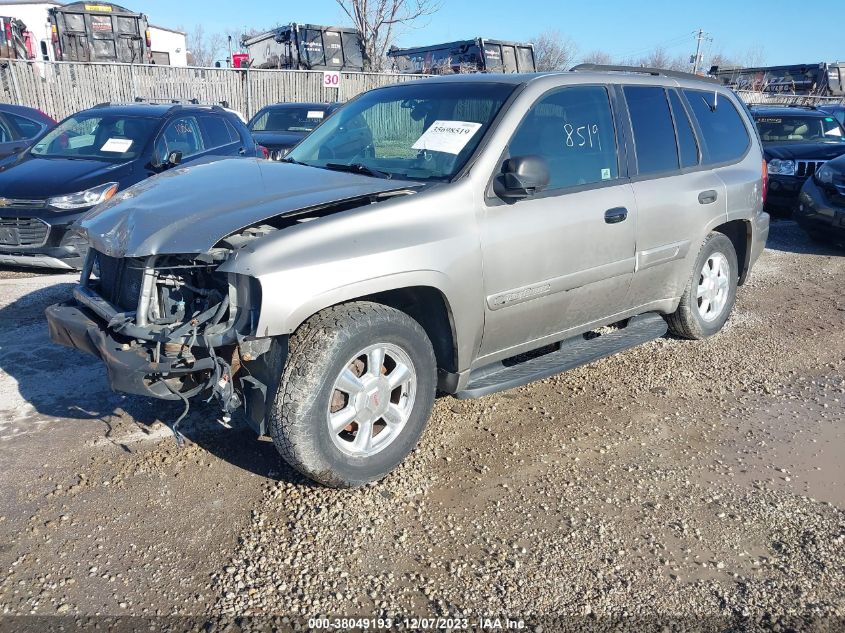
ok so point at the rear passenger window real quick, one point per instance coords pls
(654, 134)
(572, 129)
(724, 135)
(687, 145)
(218, 132)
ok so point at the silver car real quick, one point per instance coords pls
(463, 234)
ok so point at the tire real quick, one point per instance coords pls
(317, 389)
(698, 318)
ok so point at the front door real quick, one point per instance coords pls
(565, 257)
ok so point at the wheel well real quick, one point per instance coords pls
(739, 233)
(428, 307)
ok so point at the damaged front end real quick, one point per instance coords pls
(171, 327)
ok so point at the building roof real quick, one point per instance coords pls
(16, 2)
(162, 28)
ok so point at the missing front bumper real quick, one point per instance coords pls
(130, 368)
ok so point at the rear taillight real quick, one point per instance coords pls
(55, 33)
(149, 38)
(9, 33)
(264, 151)
(765, 180)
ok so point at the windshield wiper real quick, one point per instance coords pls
(294, 162)
(359, 168)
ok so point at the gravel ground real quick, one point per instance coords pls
(680, 479)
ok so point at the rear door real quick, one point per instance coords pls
(509, 64)
(563, 258)
(676, 197)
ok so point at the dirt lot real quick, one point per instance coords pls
(678, 479)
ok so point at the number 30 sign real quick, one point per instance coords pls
(331, 79)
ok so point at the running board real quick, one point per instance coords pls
(573, 352)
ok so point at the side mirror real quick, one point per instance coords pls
(174, 158)
(521, 177)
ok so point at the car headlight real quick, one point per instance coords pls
(782, 167)
(84, 199)
(824, 175)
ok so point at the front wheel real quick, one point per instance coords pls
(711, 292)
(357, 391)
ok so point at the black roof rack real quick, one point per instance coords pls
(657, 72)
(172, 101)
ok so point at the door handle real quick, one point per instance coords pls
(708, 197)
(615, 215)
(242, 151)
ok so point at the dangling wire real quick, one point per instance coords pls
(180, 439)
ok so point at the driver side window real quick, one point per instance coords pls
(180, 135)
(572, 129)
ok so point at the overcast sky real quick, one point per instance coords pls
(785, 32)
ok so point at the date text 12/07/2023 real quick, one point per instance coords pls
(418, 624)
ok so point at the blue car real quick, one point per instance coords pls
(89, 157)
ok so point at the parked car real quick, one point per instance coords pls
(19, 126)
(837, 110)
(796, 142)
(280, 126)
(473, 239)
(821, 205)
(92, 155)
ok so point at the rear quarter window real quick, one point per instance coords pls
(28, 127)
(218, 132)
(724, 135)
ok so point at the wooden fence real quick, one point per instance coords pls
(62, 88)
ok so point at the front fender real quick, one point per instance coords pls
(419, 241)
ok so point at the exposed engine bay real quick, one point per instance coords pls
(180, 318)
(178, 327)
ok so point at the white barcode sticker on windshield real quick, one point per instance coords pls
(315, 114)
(117, 145)
(447, 136)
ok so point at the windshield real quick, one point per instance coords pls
(806, 129)
(287, 119)
(97, 137)
(418, 130)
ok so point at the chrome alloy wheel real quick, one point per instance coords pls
(371, 400)
(714, 286)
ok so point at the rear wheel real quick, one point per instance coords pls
(711, 292)
(356, 394)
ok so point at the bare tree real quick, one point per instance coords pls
(598, 57)
(204, 49)
(722, 60)
(553, 51)
(755, 56)
(659, 58)
(378, 20)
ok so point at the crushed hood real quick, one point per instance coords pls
(190, 209)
